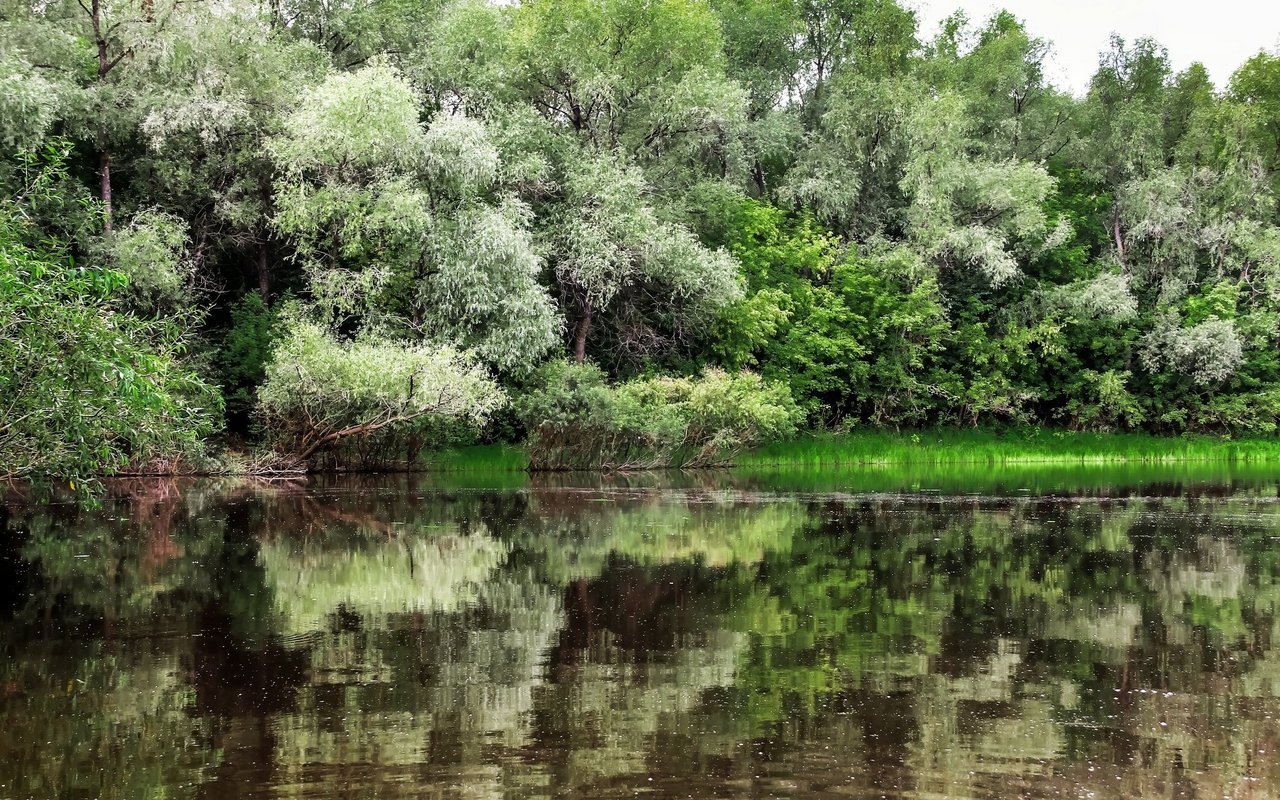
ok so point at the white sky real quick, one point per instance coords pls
(1220, 33)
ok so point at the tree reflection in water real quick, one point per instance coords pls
(387, 638)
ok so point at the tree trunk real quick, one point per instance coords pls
(104, 166)
(343, 433)
(264, 275)
(105, 65)
(580, 336)
(264, 239)
(757, 175)
(1117, 235)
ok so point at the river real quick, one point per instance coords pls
(940, 633)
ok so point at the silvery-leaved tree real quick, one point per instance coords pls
(605, 113)
(84, 64)
(999, 68)
(28, 104)
(1257, 86)
(173, 117)
(404, 227)
(406, 238)
(886, 159)
(223, 82)
(1202, 248)
(850, 169)
(1122, 115)
(967, 210)
(613, 255)
(643, 78)
(321, 390)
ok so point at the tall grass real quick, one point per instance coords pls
(1015, 479)
(935, 446)
(949, 446)
(478, 458)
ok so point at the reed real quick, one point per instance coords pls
(478, 458)
(941, 446)
(951, 446)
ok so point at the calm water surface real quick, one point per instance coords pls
(940, 634)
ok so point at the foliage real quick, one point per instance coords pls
(848, 332)
(151, 255)
(577, 421)
(85, 386)
(903, 227)
(637, 75)
(242, 360)
(612, 252)
(319, 390)
(393, 225)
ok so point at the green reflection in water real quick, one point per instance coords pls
(311, 579)
(718, 636)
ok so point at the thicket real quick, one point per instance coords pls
(899, 227)
(85, 386)
(577, 420)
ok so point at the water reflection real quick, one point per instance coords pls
(720, 636)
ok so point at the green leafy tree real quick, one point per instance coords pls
(246, 350)
(85, 386)
(403, 225)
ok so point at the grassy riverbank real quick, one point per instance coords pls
(947, 446)
(938, 446)
(479, 458)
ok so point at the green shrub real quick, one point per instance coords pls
(242, 360)
(323, 392)
(85, 387)
(577, 421)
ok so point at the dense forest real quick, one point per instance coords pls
(632, 232)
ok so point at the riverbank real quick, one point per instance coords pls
(937, 446)
(1027, 446)
(855, 450)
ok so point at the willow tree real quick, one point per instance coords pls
(999, 68)
(647, 77)
(851, 167)
(321, 390)
(887, 161)
(614, 255)
(1257, 85)
(404, 226)
(223, 83)
(968, 211)
(96, 54)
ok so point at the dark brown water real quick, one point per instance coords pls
(1089, 635)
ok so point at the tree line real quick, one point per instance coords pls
(639, 231)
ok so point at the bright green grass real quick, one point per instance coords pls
(1010, 479)
(947, 446)
(937, 446)
(479, 458)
